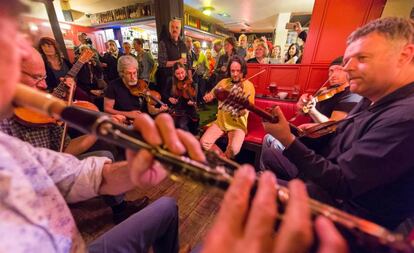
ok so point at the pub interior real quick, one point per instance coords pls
(207, 126)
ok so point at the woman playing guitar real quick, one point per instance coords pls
(183, 100)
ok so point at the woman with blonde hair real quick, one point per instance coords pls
(260, 54)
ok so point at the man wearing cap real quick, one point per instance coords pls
(335, 108)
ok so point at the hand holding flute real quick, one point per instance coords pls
(160, 140)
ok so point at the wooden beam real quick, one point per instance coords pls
(54, 23)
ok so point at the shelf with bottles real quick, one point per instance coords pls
(134, 11)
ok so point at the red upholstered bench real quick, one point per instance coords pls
(255, 131)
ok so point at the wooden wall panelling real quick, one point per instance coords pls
(285, 76)
(340, 19)
(317, 75)
(259, 81)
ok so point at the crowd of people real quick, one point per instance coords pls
(365, 168)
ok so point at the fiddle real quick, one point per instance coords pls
(324, 94)
(32, 118)
(138, 89)
(152, 97)
(186, 89)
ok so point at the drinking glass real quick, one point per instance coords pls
(273, 89)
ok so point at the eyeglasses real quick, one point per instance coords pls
(35, 77)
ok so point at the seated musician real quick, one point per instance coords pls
(49, 135)
(235, 128)
(126, 95)
(332, 107)
(183, 100)
(339, 101)
(40, 221)
(57, 67)
(43, 135)
(369, 165)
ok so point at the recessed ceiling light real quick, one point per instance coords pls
(207, 10)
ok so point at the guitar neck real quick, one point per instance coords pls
(61, 90)
(75, 69)
(262, 113)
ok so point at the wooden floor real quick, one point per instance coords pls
(198, 206)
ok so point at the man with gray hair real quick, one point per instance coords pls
(126, 95)
(119, 97)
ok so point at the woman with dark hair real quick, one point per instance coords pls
(293, 54)
(56, 69)
(234, 127)
(56, 66)
(183, 100)
(230, 45)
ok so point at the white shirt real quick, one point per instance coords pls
(35, 184)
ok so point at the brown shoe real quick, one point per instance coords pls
(129, 208)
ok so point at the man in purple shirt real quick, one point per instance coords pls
(369, 163)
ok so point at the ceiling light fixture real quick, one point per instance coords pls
(207, 10)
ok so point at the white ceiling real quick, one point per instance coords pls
(260, 15)
(256, 15)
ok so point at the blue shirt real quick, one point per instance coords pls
(370, 163)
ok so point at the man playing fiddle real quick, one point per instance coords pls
(334, 106)
(126, 95)
(235, 128)
(369, 163)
